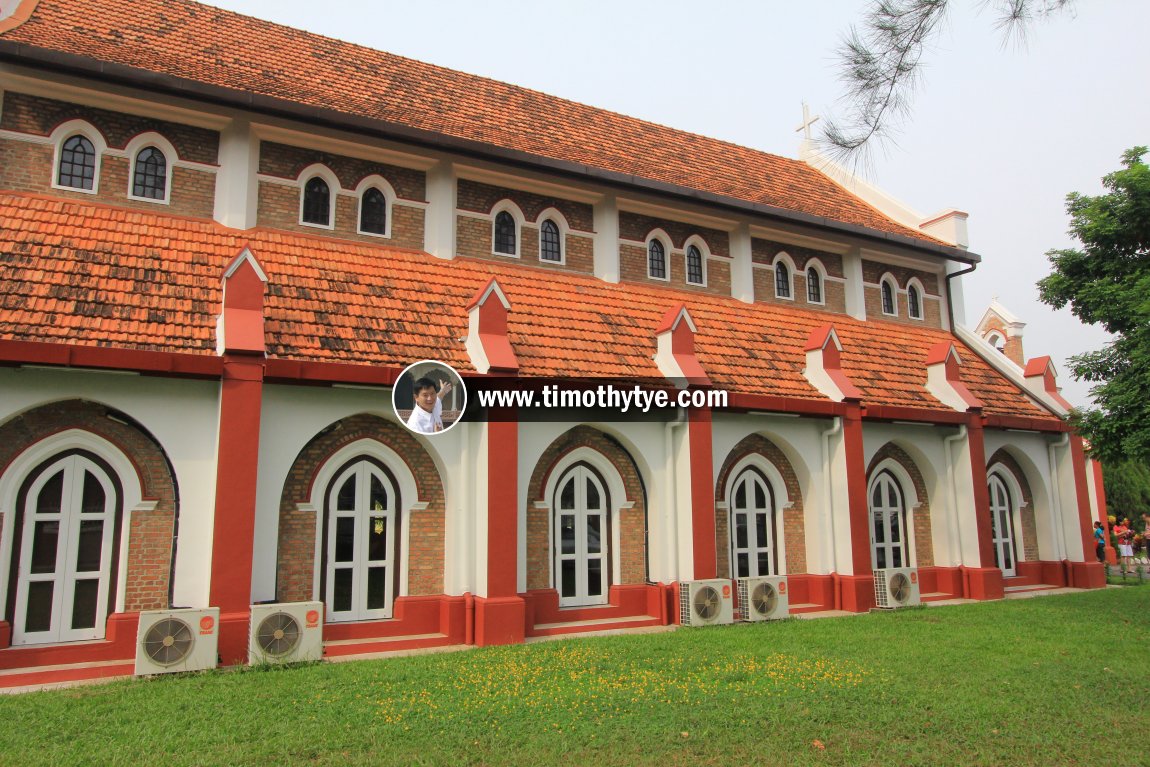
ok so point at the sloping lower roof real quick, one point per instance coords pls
(94, 275)
(199, 43)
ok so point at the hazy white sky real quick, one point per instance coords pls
(1000, 131)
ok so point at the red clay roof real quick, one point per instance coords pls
(94, 275)
(220, 48)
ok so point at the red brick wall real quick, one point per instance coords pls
(793, 521)
(872, 296)
(150, 543)
(297, 529)
(763, 254)
(473, 236)
(632, 555)
(1026, 513)
(39, 117)
(920, 517)
(279, 205)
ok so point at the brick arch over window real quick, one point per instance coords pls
(791, 525)
(632, 561)
(1004, 460)
(424, 549)
(920, 514)
(151, 548)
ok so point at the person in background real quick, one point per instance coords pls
(1125, 544)
(1099, 542)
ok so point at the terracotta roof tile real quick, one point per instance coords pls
(220, 48)
(100, 276)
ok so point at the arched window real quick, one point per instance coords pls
(581, 537)
(65, 552)
(694, 265)
(505, 234)
(1002, 524)
(814, 286)
(360, 547)
(656, 260)
(150, 176)
(888, 306)
(373, 212)
(752, 526)
(888, 523)
(782, 280)
(913, 302)
(77, 169)
(550, 242)
(317, 202)
(995, 339)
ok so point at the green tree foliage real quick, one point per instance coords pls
(1127, 489)
(1107, 283)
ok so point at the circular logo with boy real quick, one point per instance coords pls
(429, 397)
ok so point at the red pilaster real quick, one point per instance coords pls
(237, 456)
(856, 592)
(500, 616)
(1088, 574)
(984, 581)
(702, 494)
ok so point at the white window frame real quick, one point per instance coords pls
(67, 130)
(1017, 504)
(786, 259)
(165, 147)
(782, 501)
(40, 453)
(333, 191)
(888, 279)
(704, 255)
(560, 221)
(375, 181)
(910, 500)
(821, 271)
(408, 495)
(509, 207)
(664, 240)
(914, 282)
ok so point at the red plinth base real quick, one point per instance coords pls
(5, 634)
(983, 583)
(233, 647)
(1087, 575)
(856, 592)
(499, 620)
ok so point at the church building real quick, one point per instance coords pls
(223, 242)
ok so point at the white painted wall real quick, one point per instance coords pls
(182, 415)
(1032, 454)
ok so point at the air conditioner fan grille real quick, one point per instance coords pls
(169, 641)
(278, 634)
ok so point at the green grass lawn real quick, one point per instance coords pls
(1044, 681)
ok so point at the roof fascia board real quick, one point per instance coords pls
(180, 86)
(339, 146)
(115, 99)
(800, 240)
(896, 259)
(526, 183)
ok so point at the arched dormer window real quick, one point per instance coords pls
(77, 166)
(656, 260)
(888, 304)
(814, 286)
(550, 242)
(150, 174)
(373, 212)
(914, 302)
(694, 266)
(782, 280)
(316, 202)
(506, 234)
